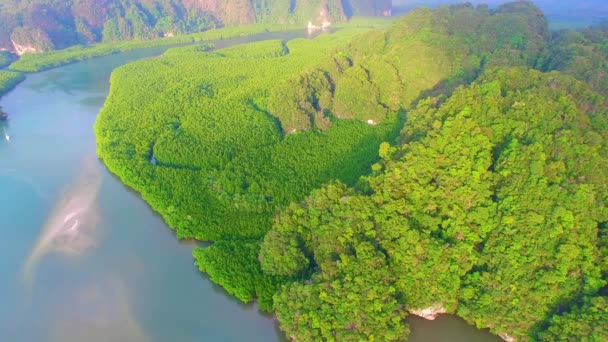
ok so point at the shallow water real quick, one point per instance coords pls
(446, 328)
(82, 257)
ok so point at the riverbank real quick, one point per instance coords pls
(56, 58)
(9, 80)
(122, 275)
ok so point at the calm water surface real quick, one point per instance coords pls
(82, 257)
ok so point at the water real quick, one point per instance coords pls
(446, 328)
(82, 257)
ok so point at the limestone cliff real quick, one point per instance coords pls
(34, 26)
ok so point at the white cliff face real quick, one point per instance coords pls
(506, 337)
(320, 22)
(429, 313)
(324, 26)
(312, 26)
(23, 49)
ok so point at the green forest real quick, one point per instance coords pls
(76, 53)
(34, 26)
(55, 58)
(457, 160)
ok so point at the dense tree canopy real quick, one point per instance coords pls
(196, 138)
(490, 207)
(484, 189)
(45, 24)
(424, 52)
(582, 54)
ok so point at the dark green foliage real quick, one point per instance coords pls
(40, 25)
(425, 52)
(52, 59)
(492, 204)
(490, 209)
(353, 301)
(8, 80)
(55, 58)
(233, 265)
(5, 58)
(196, 139)
(585, 323)
(549, 194)
(582, 54)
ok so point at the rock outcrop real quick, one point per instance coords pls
(507, 338)
(23, 49)
(429, 313)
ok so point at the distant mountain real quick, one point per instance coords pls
(561, 14)
(39, 25)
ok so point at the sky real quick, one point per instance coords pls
(559, 12)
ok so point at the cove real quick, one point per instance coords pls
(82, 256)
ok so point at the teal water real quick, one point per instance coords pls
(82, 257)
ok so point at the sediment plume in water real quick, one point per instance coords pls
(71, 227)
(99, 312)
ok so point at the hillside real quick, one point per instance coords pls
(450, 175)
(39, 25)
(582, 54)
(492, 206)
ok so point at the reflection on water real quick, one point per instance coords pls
(70, 228)
(99, 313)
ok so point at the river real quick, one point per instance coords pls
(118, 273)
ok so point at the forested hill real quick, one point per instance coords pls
(39, 25)
(487, 199)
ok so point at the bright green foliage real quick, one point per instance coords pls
(8, 80)
(582, 54)
(233, 265)
(196, 139)
(352, 302)
(424, 52)
(352, 296)
(52, 59)
(492, 204)
(259, 50)
(587, 323)
(435, 206)
(55, 58)
(549, 168)
(490, 208)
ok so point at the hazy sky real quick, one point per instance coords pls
(583, 11)
(544, 3)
